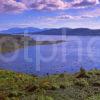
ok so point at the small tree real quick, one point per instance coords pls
(82, 73)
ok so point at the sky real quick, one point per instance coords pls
(50, 13)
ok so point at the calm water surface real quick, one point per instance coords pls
(69, 56)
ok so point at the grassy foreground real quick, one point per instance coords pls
(80, 86)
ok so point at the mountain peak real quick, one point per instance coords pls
(21, 30)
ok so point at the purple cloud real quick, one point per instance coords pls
(11, 6)
(58, 4)
(65, 16)
(21, 5)
(84, 3)
(47, 4)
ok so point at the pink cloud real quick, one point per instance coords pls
(15, 6)
(58, 4)
(11, 6)
(46, 4)
(65, 16)
(84, 3)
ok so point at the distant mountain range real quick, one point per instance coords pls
(21, 30)
(69, 31)
(59, 31)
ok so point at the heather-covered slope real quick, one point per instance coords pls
(81, 86)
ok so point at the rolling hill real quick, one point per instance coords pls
(21, 30)
(53, 31)
(69, 31)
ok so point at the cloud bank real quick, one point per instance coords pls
(11, 6)
(22, 5)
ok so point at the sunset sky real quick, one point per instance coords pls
(49, 13)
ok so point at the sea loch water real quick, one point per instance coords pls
(68, 56)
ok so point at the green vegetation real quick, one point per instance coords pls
(10, 43)
(79, 86)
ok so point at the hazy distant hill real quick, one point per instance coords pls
(21, 30)
(69, 31)
(53, 31)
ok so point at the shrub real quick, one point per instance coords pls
(61, 75)
(49, 98)
(45, 85)
(2, 96)
(13, 94)
(81, 82)
(54, 87)
(43, 97)
(95, 97)
(82, 74)
(31, 88)
(62, 86)
(97, 83)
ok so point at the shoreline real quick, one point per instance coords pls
(10, 43)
